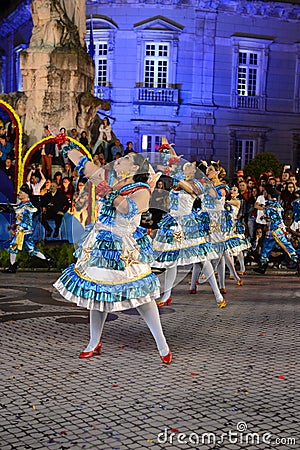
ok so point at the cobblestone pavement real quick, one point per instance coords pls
(232, 384)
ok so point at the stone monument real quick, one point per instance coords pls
(57, 70)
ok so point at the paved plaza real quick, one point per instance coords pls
(233, 383)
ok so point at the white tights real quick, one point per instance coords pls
(225, 258)
(13, 257)
(148, 312)
(240, 258)
(208, 272)
(170, 277)
(241, 261)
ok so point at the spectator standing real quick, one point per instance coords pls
(80, 202)
(5, 148)
(58, 179)
(129, 148)
(102, 160)
(75, 179)
(59, 147)
(46, 188)
(67, 172)
(48, 153)
(2, 129)
(284, 179)
(262, 182)
(36, 184)
(159, 203)
(245, 196)
(252, 213)
(54, 205)
(117, 148)
(96, 160)
(293, 179)
(68, 190)
(84, 140)
(288, 195)
(74, 134)
(9, 169)
(105, 139)
(259, 205)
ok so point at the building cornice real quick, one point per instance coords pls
(284, 10)
(20, 16)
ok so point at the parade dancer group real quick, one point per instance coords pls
(115, 256)
(113, 272)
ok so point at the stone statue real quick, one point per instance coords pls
(54, 23)
(76, 12)
(88, 105)
(18, 101)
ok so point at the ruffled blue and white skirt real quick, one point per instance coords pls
(182, 240)
(112, 272)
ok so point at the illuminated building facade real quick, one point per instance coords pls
(219, 78)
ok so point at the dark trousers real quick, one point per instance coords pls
(57, 219)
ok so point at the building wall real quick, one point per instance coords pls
(205, 120)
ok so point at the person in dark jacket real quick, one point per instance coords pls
(54, 205)
(48, 153)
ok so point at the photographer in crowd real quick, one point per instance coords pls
(36, 180)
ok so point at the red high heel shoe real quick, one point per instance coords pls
(167, 359)
(96, 350)
(240, 283)
(165, 303)
(193, 291)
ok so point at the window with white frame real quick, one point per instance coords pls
(245, 150)
(150, 142)
(101, 63)
(156, 64)
(101, 35)
(157, 59)
(250, 62)
(248, 72)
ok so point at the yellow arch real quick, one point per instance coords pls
(40, 143)
(20, 137)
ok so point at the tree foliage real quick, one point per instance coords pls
(262, 163)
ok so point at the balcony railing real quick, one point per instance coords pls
(102, 92)
(249, 102)
(156, 95)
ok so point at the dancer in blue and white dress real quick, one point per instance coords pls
(220, 227)
(181, 237)
(23, 230)
(112, 272)
(239, 230)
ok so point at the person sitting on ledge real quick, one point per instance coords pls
(54, 205)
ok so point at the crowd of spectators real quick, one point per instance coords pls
(56, 186)
(253, 194)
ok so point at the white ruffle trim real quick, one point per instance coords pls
(105, 306)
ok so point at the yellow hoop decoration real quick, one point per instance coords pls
(19, 147)
(43, 141)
